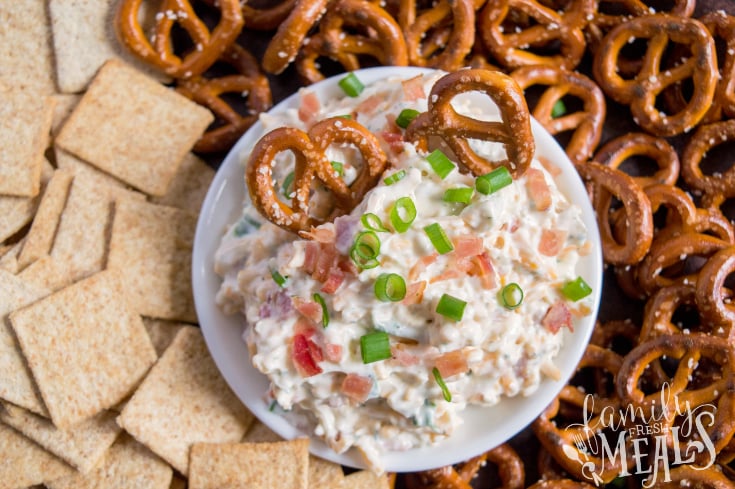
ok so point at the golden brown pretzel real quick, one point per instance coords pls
(642, 90)
(660, 308)
(447, 48)
(230, 123)
(209, 46)
(687, 386)
(607, 182)
(442, 120)
(722, 26)
(510, 44)
(311, 163)
(560, 484)
(381, 40)
(617, 151)
(715, 187)
(711, 294)
(586, 124)
(289, 38)
(263, 18)
(697, 477)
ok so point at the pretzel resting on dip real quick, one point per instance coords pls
(442, 120)
(311, 163)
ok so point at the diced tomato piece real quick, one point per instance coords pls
(413, 88)
(403, 357)
(357, 387)
(315, 351)
(465, 246)
(451, 363)
(538, 189)
(557, 317)
(309, 107)
(421, 264)
(552, 241)
(334, 280)
(301, 354)
(414, 293)
(333, 352)
(483, 268)
(309, 309)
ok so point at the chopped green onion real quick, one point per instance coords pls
(394, 177)
(402, 214)
(439, 238)
(439, 380)
(451, 307)
(390, 287)
(462, 195)
(351, 85)
(345, 116)
(273, 406)
(287, 187)
(576, 289)
(559, 109)
(493, 181)
(442, 165)
(363, 263)
(511, 296)
(278, 278)
(366, 249)
(246, 225)
(325, 312)
(373, 222)
(375, 346)
(338, 167)
(405, 117)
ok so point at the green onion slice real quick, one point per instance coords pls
(375, 346)
(363, 263)
(367, 245)
(394, 177)
(439, 238)
(443, 386)
(351, 85)
(511, 295)
(338, 167)
(325, 312)
(493, 181)
(442, 165)
(559, 109)
(287, 186)
(345, 116)
(402, 214)
(461, 195)
(450, 307)
(390, 287)
(373, 222)
(405, 117)
(576, 289)
(278, 278)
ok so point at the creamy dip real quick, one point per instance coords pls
(307, 305)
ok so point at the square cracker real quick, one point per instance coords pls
(86, 348)
(25, 126)
(128, 464)
(81, 447)
(151, 248)
(282, 464)
(23, 463)
(64, 104)
(67, 161)
(162, 333)
(48, 273)
(365, 479)
(134, 128)
(16, 382)
(189, 186)
(16, 212)
(182, 401)
(84, 38)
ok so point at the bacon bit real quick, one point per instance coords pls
(403, 357)
(557, 317)
(311, 252)
(309, 309)
(549, 166)
(422, 263)
(326, 260)
(357, 387)
(334, 280)
(310, 106)
(326, 265)
(315, 352)
(304, 327)
(369, 105)
(448, 274)
(393, 140)
(325, 234)
(347, 265)
(413, 89)
(538, 188)
(302, 356)
(552, 241)
(465, 246)
(333, 352)
(483, 268)
(414, 293)
(451, 363)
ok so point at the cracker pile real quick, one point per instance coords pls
(105, 378)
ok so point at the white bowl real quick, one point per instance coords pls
(483, 428)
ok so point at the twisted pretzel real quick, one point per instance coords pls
(608, 182)
(617, 151)
(442, 120)
(586, 124)
(230, 124)
(687, 386)
(699, 477)
(716, 187)
(560, 484)
(511, 45)
(311, 163)
(336, 39)
(642, 90)
(711, 293)
(209, 46)
(447, 47)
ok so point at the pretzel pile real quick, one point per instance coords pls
(645, 96)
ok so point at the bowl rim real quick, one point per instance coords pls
(222, 333)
